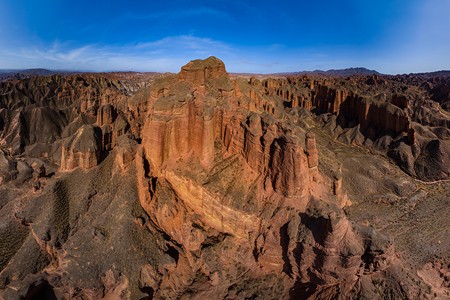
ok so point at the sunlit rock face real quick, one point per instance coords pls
(195, 145)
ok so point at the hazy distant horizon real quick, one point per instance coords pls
(231, 72)
(263, 37)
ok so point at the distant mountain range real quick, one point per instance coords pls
(24, 73)
(443, 73)
(19, 74)
(42, 72)
(346, 72)
(333, 72)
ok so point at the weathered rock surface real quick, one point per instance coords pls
(364, 110)
(37, 112)
(199, 71)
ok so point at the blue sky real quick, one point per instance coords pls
(396, 36)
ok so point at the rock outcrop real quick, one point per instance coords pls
(360, 111)
(199, 71)
(82, 149)
(289, 167)
(188, 131)
(312, 153)
(327, 250)
(183, 117)
(36, 113)
(177, 131)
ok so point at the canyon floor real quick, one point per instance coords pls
(200, 185)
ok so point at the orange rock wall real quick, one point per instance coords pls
(174, 133)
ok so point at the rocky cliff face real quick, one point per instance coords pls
(265, 211)
(197, 185)
(327, 96)
(37, 113)
(368, 111)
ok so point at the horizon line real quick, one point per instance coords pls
(374, 72)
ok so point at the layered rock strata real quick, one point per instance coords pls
(376, 113)
(189, 131)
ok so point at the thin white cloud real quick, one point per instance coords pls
(167, 54)
(170, 53)
(185, 42)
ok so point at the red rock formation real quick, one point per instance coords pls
(312, 153)
(184, 126)
(198, 71)
(288, 167)
(176, 131)
(326, 97)
(106, 115)
(82, 149)
(329, 240)
(383, 116)
(233, 138)
(252, 148)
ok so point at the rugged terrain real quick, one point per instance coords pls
(196, 185)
